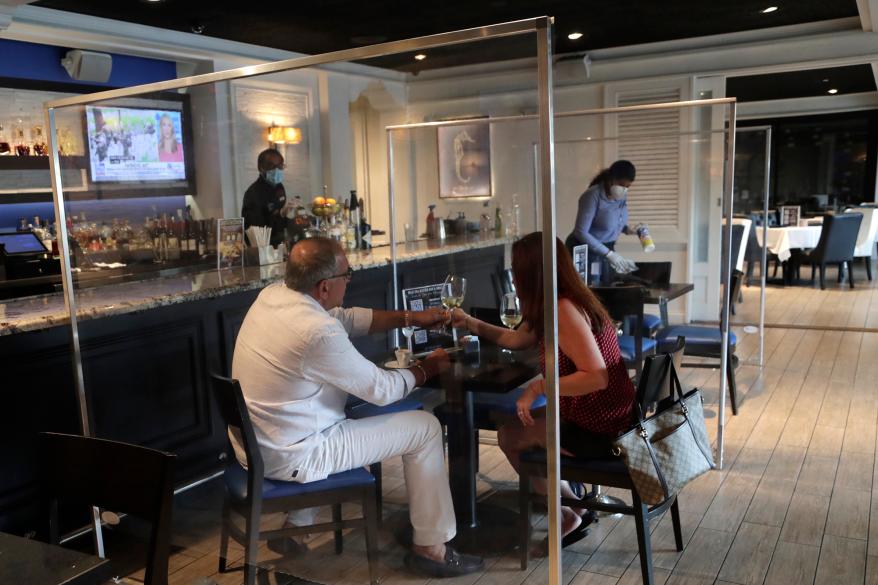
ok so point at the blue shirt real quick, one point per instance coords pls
(599, 219)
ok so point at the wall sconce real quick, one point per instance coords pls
(284, 135)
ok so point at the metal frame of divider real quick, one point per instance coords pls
(548, 223)
(541, 27)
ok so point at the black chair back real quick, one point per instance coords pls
(838, 238)
(737, 242)
(654, 272)
(117, 476)
(625, 304)
(233, 411)
(655, 380)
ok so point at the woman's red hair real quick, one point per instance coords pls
(527, 268)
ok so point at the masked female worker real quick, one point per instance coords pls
(603, 215)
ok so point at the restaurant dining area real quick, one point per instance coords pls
(464, 303)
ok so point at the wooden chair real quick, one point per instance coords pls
(250, 494)
(115, 476)
(609, 471)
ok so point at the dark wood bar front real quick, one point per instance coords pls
(147, 367)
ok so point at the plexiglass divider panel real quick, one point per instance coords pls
(355, 126)
(154, 315)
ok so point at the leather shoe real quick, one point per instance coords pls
(455, 564)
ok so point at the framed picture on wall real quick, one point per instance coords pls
(464, 161)
(790, 215)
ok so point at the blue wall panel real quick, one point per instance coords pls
(43, 63)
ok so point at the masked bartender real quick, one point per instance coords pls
(265, 202)
(602, 216)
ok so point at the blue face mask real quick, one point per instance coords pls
(274, 176)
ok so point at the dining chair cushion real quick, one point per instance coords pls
(628, 349)
(357, 409)
(486, 402)
(651, 324)
(698, 339)
(236, 482)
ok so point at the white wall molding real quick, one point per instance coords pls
(868, 10)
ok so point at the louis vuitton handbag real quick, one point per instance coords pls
(668, 449)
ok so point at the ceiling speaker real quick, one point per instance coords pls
(88, 65)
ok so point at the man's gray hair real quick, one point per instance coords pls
(311, 261)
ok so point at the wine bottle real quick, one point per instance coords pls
(365, 228)
(355, 220)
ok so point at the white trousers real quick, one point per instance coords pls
(417, 437)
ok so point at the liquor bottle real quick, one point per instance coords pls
(355, 220)
(174, 239)
(365, 228)
(191, 239)
(498, 223)
(431, 223)
(202, 239)
(515, 217)
(163, 238)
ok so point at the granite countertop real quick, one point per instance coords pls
(44, 311)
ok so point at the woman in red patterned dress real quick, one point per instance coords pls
(597, 396)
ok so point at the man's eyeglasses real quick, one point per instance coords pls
(347, 274)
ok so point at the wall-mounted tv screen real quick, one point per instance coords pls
(135, 144)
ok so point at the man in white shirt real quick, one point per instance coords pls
(296, 366)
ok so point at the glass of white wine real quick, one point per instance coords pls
(453, 293)
(407, 332)
(510, 312)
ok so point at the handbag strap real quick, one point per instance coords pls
(675, 382)
(655, 464)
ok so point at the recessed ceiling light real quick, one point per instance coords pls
(420, 57)
(574, 36)
(833, 91)
(769, 9)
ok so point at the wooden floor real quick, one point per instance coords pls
(796, 501)
(807, 306)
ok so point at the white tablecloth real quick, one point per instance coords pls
(783, 239)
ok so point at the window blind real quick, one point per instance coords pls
(651, 140)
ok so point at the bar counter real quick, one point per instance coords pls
(40, 312)
(148, 350)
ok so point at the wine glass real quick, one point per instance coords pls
(510, 312)
(453, 292)
(407, 332)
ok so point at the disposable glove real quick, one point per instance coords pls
(621, 265)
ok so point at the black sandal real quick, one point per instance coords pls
(571, 538)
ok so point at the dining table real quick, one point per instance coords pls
(28, 561)
(481, 528)
(781, 241)
(662, 294)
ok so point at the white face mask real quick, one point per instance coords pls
(618, 192)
